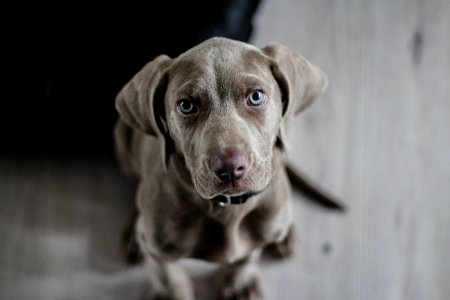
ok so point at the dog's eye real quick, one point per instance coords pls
(256, 98)
(187, 107)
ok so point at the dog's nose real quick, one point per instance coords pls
(230, 165)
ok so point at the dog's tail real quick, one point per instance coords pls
(313, 193)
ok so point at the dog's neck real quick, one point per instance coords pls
(222, 200)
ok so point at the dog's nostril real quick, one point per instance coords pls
(239, 172)
(229, 166)
(223, 175)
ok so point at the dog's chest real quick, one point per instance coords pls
(224, 237)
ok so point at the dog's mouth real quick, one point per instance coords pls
(234, 188)
(228, 197)
(231, 189)
(224, 200)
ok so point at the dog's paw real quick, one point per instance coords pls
(249, 291)
(240, 281)
(284, 249)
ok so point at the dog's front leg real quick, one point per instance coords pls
(240, 280)
(168, 281)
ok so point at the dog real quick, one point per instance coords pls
(206, 135)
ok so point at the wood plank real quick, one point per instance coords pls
(379, 138)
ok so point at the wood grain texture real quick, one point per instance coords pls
(379, 139)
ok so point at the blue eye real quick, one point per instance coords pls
(187, 107)
(256, 98)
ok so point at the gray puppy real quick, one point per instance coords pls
(205, 134)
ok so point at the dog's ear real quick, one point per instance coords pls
(140, 103)
(300, 82)
(141, 100)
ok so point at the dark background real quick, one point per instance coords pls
(63, 66)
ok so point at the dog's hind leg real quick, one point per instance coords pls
(129, 244)
(283, 249)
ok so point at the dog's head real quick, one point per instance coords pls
(223, 106)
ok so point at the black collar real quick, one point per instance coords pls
(226, 200)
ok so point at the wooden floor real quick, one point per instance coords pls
(379, 139)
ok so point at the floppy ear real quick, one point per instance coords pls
(140, 103)
(300, 82)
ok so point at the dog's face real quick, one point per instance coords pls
(224, 107)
